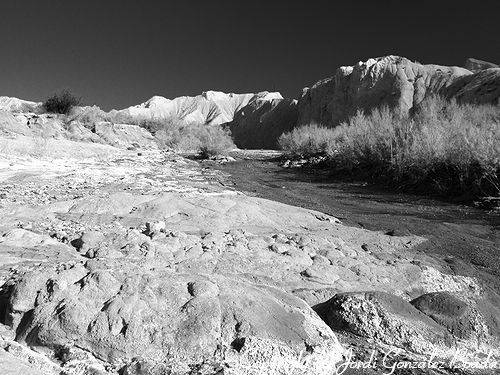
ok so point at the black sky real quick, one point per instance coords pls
(120, 53)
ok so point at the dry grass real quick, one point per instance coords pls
(309, 140)
(445, 147)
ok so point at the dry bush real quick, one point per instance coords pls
(62, 103)
(444, 146)
(309, 140)
(207, 140)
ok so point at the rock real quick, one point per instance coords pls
(475, 64)
(482, 87)
(79, 132)
(154, 228)
(260, 123)
(88, 241)
(466, 318)
(118, 311)
(25, 362)
(279, 248)
(123, 136)
(18, 105)
(9, 124)
(393, 81)
(19, 237)
(448, 311)
(385, 318)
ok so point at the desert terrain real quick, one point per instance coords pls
(119, 255)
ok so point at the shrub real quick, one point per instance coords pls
(214, 140)
(62, 102)
(306, 141)
(444, 147)
(207, 140)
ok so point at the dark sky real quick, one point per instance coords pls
(119, 53)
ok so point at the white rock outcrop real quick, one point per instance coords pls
(211, 107)
(396, 82)
(12, 104)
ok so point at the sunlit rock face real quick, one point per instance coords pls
(211, 107)
(393, 81)
(12, 104)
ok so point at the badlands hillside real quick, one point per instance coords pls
(257, 120)
(119, 257)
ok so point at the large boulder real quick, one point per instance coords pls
(384, 317)
(120, 311)
(393, 81)
(260, 123)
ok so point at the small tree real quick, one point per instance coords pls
(61, 102)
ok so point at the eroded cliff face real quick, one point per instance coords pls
(395, 82)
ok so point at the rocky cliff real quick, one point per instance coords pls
(393, 81)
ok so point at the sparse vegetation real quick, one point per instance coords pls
(62, 103)
(207, 140)
(307, 141)
(445, 147)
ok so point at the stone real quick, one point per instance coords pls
(464, 318)
(120, 311)
(384, 317)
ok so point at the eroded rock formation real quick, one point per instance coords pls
(211, 107)
(393, 81)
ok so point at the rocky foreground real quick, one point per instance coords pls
(134, 260)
